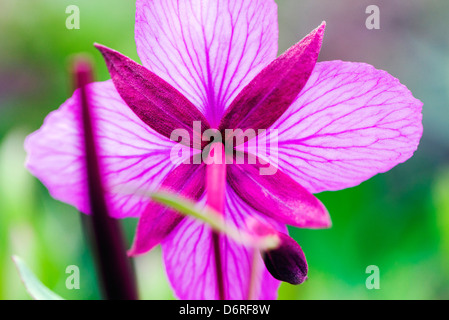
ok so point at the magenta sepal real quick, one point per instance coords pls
(277, 196)
(152, 99)
(275, 88)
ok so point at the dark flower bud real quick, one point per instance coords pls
(287, 262)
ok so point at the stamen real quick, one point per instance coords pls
(216, 188)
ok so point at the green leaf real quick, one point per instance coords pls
(214, 220)
(34, 286)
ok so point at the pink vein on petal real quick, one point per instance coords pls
(208, 50)
(349, 123)
(189, 260)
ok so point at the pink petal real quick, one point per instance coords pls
(157, 221)
(349, 123)
(132, 155)
(189, 258)
(152, 99)
(278, 196)
(275, 88)
(208, 50)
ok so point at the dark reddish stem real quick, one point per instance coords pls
(218, 265)
(114, 268)
(216, 188)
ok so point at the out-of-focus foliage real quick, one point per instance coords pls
(34, 286)
(398, 221)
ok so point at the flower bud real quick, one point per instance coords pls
(285, 262)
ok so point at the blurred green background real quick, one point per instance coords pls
(398, 221)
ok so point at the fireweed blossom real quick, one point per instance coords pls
(339, 124)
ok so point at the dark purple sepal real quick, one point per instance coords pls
(151, 98)
(276, 195)
(274, 89)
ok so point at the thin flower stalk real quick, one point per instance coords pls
(114, 269)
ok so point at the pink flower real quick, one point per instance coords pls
(339, 124)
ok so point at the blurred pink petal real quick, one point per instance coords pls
(132, 154)
(189, 258)
(349, 123)
(208, 50)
